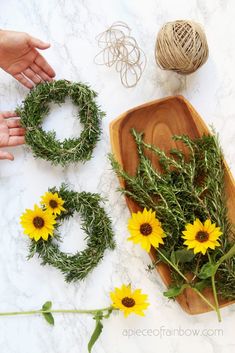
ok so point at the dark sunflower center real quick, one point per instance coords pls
(53, 203)
(128, 302)
(38, 222)
(202, 236)
(145, 229)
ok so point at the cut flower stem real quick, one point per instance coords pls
(59, 311)
(214, 291)
(215, 308)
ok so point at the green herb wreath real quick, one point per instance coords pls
(44, 144)
(95, 223)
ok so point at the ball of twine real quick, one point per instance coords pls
(181, 46)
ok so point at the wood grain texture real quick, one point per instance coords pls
(159, 120)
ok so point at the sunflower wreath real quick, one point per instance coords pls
(96, 225)
(44, 144)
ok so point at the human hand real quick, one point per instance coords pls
(20, 58)
(11, 133)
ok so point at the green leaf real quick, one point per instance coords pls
(47, 315)
(184, 255)
(49, 318)
(207, 270)
(201, 285)
(175, 291)
(96, 334)
(47, 306)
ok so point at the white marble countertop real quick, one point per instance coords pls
(71, 26)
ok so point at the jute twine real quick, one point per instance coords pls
(121, 50)
(181, 46)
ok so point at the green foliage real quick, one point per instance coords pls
(97, 331)
(49, 318)
(207, 270)
(187, 187)
(47, 314)
(173, 292)
(200, 285)
(47, 306)
(44, 144)
(95, 223)
(183, 256)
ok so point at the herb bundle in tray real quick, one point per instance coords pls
(190, 186)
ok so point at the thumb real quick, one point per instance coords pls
(37, 43)
(6, 155)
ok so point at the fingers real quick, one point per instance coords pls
(16, 141)
(17, 131)
(6, 155)
(8, 114)
(23, 80)
(31, 75)
(37, 43)
(13, 123)
(40, 72)
(43, 64)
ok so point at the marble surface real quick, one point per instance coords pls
(71, 27)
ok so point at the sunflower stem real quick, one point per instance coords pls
(193, 288)
(204, 298)
(214, 291)
(172, 265)
(59, 311)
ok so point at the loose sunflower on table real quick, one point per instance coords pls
(129, 301)
(123, 299)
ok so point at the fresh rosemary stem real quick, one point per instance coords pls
(214, 291)
(59, 311)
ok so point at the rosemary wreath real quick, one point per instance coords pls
(96, 225)
(44, 144)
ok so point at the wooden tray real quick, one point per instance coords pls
(159, 120)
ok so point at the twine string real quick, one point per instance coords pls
(122, 51)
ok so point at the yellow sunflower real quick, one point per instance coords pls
(200, 237)
(38, 223)
(53, 202)
(145, 229)
(129, 301)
